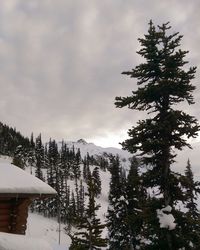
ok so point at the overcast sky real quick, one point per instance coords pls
(61, 63)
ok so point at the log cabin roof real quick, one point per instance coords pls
(15, 182)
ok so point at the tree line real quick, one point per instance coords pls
(132, 216)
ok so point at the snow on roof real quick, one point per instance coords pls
(14, 180)
(21, 242)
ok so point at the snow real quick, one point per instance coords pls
(14, 180)
(167, 209)
(166, 220)
(21, 242)
(47, 229)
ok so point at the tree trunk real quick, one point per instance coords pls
(166, 192)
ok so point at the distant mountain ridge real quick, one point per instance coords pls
(10, 140)
(95, 150)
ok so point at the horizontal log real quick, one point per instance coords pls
(4, 198)
(13, 215)
(5, 211)
(5, 217)
(4, 230)
(5, 205)
(4, 223)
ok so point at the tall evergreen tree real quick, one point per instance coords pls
(39, 155)
(192, 189)
(136, 202)
(31, 154)
(117, 211)
(54, 176)
(192, 216)
(19, 157)
(64, 160)
(85, 164)
(90, 228)
(38, 205)
(97, 181)
(72, 209)
(163, 82)
(65, 205)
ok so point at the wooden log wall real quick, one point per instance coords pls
(21, 215)
(13, 215)
(5, 215)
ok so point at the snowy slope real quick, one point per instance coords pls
(21, 242)
(47, 229)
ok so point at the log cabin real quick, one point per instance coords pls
(17, 190)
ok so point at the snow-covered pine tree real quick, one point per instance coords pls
(19, 157)
(163, 82)
(31, 154)
(118, 231)
(103, 163)
(32, 143)
(85, 168)
(39, 157)
(191, 224)
(65, 205)
(192, 190)
(80, 199)
(97, 181)
(54, 176)
(64, 162)
(76, 164)
(88, 236)
(136, 202)
(72, 210)
(53, 165)
(38, 205)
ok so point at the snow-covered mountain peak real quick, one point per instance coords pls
(97, 151)
(82, 141)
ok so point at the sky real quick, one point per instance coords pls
(61, 63)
